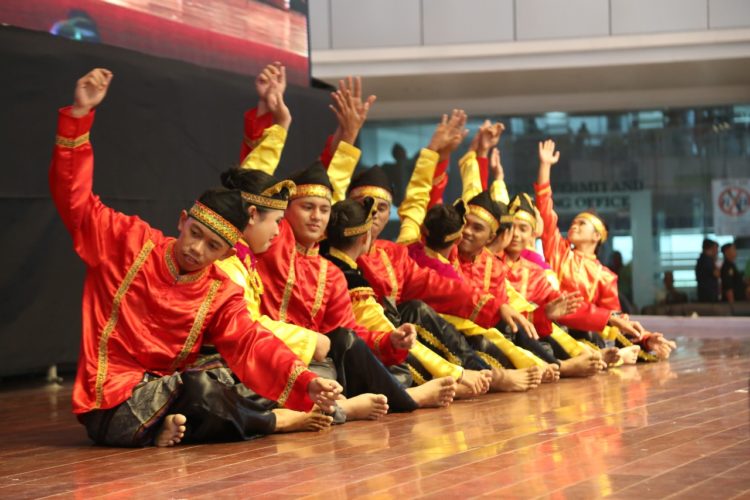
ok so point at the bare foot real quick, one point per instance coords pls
(583, 365)
(435, 393)
(299, 421)
(172, 430)
(474, 383)
(610, 355)
(629, 355)
(518, 380)
(366, 406)
(550, 373)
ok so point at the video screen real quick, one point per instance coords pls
(240, 36)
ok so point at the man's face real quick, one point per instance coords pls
(382, 209)
(262, 228)
(523, 237)
(582, 231)
(476, 234)
(308, 217)
(197, 246)
(730, 253)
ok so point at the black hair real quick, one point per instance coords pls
(346, 214)
(440, 221)
(708, 244)
(726, 246)
(228, 203)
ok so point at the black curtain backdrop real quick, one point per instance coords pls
(163, 134)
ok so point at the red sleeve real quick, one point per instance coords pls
(95, 227)
(339, 313)
(260, 359)
(439, 183)
(588, 318)
(254, 127)
(327, 155)
(554, 245)
(448, 296)
(484, 170)
(609, 297)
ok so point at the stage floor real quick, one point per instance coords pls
(676, 429)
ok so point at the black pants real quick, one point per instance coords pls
(214, 409)
(542, 350)
(359, 371)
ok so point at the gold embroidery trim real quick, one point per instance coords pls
(102, 362)
(433, 341)
(289, 384)
(65, 142)
(489, 360)
(361, 293)
(488, 272)
(544, 190)
(291, 278)
(525, 281)
(307, 252)
(252, 143)
(374, 191)
(317, 190)
(391, 274)
(172, 267)
(596, 222)
(478, 308)
(485, 215)
(262, 201)
(524, 216)
(320, 289)
(195, 330)
(418, 378)
(361, 229)
(218, 224)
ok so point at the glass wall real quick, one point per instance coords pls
(608, 161)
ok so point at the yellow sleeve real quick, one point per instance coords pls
(370, 314)
(520, 358)
(341, 168)
(499, 191)
(434, 363)
(472, 181)
(518, 301)
(300, 340)
(266, 155)
(414, 207)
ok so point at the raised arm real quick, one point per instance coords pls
(266, 126)
(498, 189)
(554, 245)
(448, 134)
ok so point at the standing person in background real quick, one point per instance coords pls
(706, 272)
(732, 280)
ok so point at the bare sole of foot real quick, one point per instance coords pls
(583, 365)
(474, 383)
(629, 355)
(550, 373)
(366, 406)
(436, 393)
(516, 380)
(172, 430)
(299, 421)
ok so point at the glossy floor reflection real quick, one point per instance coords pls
(671, 429)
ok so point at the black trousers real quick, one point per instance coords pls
(542, 350)
(215, 411)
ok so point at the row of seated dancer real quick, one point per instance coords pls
(242, 326)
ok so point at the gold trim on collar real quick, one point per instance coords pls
(215, 222)
(374, 191)
(175, 271)
(66, 142)
(485, 215)
(335, 252)
(317, 190)
(103, 355)
(596, 222)
(307, 252)
(200, 318)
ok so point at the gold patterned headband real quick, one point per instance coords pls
(317, 190)
(523, 215)
(264, 199)
(485, 215)
(506, 219)
(215, 222)
(596, 222)
(359, 230)
(454, 236)
(374, 191)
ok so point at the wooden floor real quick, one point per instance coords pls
(677, 429)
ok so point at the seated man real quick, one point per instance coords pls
(150, 302)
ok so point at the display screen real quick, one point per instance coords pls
(235, 35)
